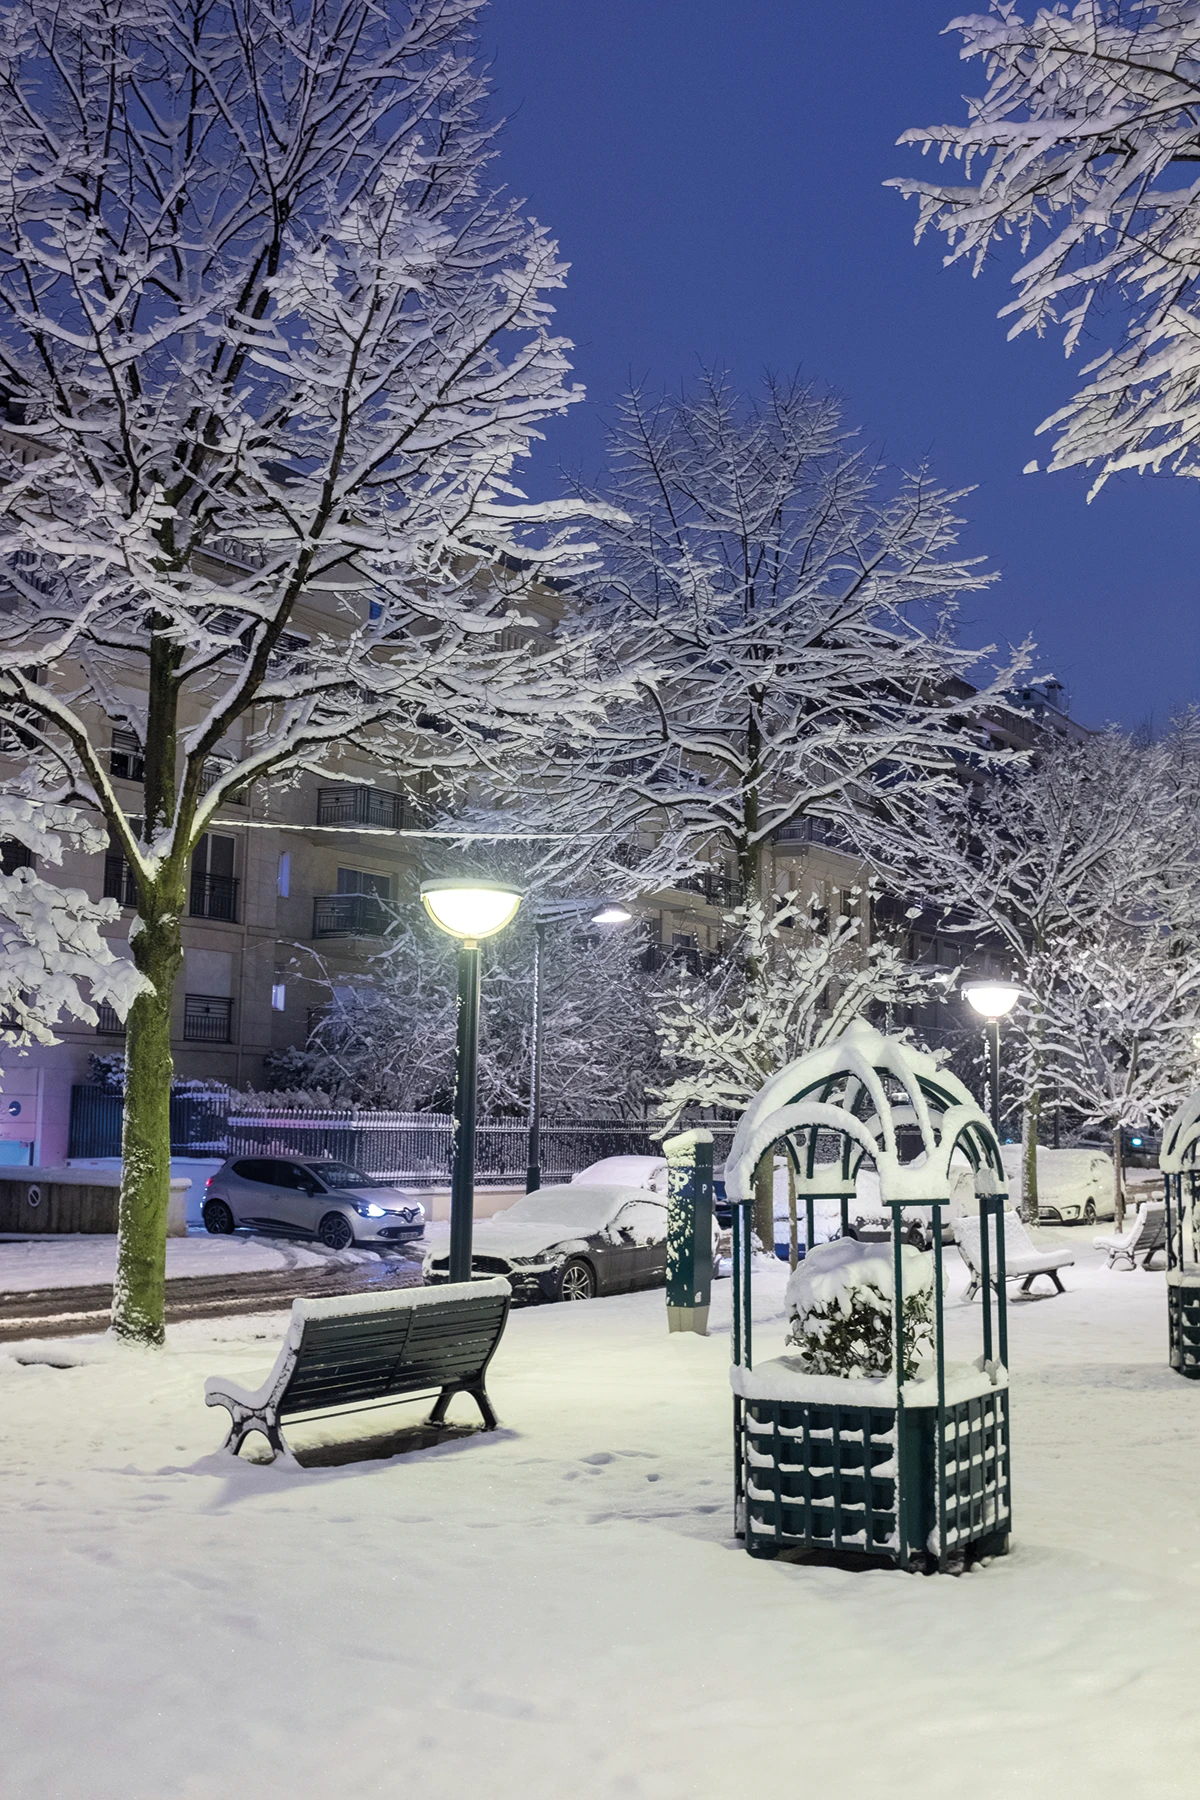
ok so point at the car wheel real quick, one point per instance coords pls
(335, 1231)
(1089, 1213)
(576, 1281)
(218, 1218)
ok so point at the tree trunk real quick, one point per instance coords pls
(1029, 1143)
(764, 1203)
(138, 1291)
(1118, 1181)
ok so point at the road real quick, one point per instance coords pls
(67, 1311)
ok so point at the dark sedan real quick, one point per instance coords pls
(570, 1243)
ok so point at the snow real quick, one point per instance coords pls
(837, 1274)
(83, 1261)
(562, 1606)
(786, 1378)
(339, 1306)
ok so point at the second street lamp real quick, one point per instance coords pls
(993, 1001)
(467, 909)
(554, 912)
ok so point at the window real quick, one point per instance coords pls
(125, 759)
(107, 1022)
(14, 855)
(207, 1019)
(278, 997)
(254, 1169)
(283, 878)
(361, 881)
(214, 890)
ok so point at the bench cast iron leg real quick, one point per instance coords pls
(972, 1288)
(1053, 1274)
(477, 1393)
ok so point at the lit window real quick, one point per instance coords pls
(278, 996)
(283, 880)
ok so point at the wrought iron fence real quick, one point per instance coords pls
(412, 1148)
(198, 1122)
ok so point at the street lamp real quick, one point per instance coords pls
(467, 909)
(993, 1000)
(554, 912)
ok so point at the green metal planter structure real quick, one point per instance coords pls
(912, 1474)
(1181, 1179)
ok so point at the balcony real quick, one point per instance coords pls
(207, 1019)
(107, 1022)
(715, 888)
(812, 831)
(349, 915)
(214, 897)
(367, 806)
(119, 884)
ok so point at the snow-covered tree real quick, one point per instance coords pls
(1083, 150)
(1035, 861)
(793, 982)
(388, 1041)
(54, 958)
(1121, 1036)
(269, 346)
(792, 606)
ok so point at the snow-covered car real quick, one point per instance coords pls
(625, 1171)
(309, 1197)
(570, 1242)
(1075, 1187)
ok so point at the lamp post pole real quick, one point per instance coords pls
(992, 1000)
(993, 1029)
(468, 909)
(462, 1172)
(533, 1171)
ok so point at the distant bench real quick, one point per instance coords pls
(363, 1350)
(1023, 1261)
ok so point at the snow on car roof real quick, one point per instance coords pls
(583, 1208)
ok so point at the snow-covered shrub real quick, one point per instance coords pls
(840, 1305)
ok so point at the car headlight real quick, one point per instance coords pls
(1072, 1212)
(368, 1209)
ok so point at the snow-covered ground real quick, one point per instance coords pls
(561, 1609)
(80, 1260)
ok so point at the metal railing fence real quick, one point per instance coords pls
(412, 1148)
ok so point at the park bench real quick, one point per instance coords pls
(1147, 1237)
(364, 1350)
(1023, 1261)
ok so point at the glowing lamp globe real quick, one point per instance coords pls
(470, 909)
(992, 999)
(612, 914)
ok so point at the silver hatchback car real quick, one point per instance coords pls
(310, 1198)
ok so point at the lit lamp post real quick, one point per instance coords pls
(993, 1000)
(467, 909)
(553, 912)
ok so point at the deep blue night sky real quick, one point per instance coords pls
(713, 174)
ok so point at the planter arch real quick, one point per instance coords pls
(913, 1472)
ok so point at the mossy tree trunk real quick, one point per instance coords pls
(1118, 1180)
(1029, 1144)
(139, 1291)
(764, 1202)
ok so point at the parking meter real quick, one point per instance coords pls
(689, 1230)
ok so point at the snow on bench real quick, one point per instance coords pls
(361, 1350)
(1146, 1238)
(1023, 1261)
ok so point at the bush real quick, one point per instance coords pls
(841, 1309)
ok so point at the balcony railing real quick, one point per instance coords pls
(107, 1022)
(348, 915)
(207, 1019)
(215, 897)
(812, 831)
(693, 959)
(367, 806)
(118, 880)
(718, 890)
